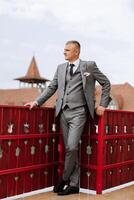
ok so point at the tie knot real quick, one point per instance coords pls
(72, 65)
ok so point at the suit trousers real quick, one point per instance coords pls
(72, 124)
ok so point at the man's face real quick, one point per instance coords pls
(71, 52)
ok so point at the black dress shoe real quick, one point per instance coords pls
(69, 190)
(59, 187)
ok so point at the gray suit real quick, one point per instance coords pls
(75, 94)
(58, 83)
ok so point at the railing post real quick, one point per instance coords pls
(100, 155)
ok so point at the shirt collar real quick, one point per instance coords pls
(76, 63)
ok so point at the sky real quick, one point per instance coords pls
(40, 28)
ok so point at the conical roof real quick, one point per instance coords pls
(32, 75)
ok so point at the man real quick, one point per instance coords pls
(75, 84)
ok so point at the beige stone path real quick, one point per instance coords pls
(122, 194)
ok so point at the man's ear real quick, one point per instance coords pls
(77, 52)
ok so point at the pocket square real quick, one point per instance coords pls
(86, 74)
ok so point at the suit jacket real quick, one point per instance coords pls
(90, 74)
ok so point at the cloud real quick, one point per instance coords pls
(103, 19)
(105, 29)
(5, 41)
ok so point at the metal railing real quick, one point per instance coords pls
(32, 151)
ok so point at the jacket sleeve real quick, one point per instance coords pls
(51, 89)
(105, 83)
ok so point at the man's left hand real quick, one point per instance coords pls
(100, 110)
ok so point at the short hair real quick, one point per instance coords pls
(74, 42)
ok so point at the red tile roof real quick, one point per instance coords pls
(122, 93)
(21, 96)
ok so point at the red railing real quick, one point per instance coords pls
(106, 151)
(32, 152)
(28, 150)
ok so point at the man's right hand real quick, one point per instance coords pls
(31, 104)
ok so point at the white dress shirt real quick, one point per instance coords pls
(76, 64)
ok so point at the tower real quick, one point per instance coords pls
(32, 77)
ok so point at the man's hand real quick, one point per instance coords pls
(31, 104)
(100, 110)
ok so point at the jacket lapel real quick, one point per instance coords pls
(64, 69)
(83, 68)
